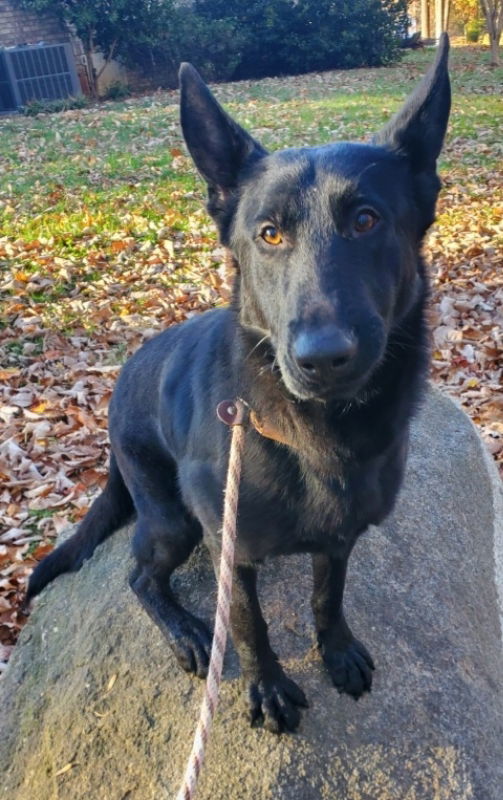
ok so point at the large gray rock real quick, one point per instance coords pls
(93, 684)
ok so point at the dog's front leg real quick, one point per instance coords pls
(347, 660)
(273, 698)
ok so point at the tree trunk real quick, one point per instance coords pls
(425, 19)
(439, 18)
(89, 50)
(106, 61)
(447, 11)
(495, 52)
(493, 13)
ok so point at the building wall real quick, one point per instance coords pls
(23, 27)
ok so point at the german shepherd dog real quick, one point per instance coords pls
(325, 340)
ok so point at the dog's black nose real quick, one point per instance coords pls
(321, 353)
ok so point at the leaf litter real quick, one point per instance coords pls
(103, 243)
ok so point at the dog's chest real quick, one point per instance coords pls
(294, 510)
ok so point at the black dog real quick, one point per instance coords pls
(325, 340)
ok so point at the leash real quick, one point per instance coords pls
(232, 413)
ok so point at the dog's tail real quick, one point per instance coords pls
(112, 509)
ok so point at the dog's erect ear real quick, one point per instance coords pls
(218, 145)
(417, 131)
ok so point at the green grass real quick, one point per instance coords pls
(75, 180)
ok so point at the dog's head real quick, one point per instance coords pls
(327, 238)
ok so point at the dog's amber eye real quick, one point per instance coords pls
(271, 235)
(365, 220)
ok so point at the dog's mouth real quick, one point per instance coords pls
(348, 387)
(344, 389)
(303, 389)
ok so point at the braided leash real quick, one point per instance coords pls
(233, 414)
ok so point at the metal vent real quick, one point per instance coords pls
(40, 72)
(7, 102)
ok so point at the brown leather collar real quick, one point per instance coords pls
(267, 429)
(237, 412)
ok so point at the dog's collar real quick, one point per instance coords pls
(267, 429)
(238, 412)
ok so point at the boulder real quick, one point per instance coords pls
(94, 705)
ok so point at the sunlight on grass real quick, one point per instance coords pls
(80, 181)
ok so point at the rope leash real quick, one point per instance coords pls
(233, 414)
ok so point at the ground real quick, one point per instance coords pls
(104, 242)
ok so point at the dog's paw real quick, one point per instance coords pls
(350, 666)
(274, 702)
(191, 644)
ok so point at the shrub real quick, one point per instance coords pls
(117, 90)
(214, 45)
(230, 39)
(473, 30)
(234, 39)
(34, 107)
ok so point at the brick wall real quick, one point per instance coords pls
(22, 27)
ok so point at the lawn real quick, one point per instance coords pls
(104, 241)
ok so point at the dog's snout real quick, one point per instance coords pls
(321, 353)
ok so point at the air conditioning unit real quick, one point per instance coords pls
(36, 72)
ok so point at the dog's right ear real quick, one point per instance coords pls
(219, 146)
(417, 131)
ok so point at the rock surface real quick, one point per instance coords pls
(93, 685)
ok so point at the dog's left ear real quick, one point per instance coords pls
(417, 131)
(219, 146)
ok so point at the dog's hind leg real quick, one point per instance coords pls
(347, 660)
(274, 699)
(164, 538)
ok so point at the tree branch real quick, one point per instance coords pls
(108, 59)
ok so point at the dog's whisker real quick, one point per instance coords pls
(261, 341)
